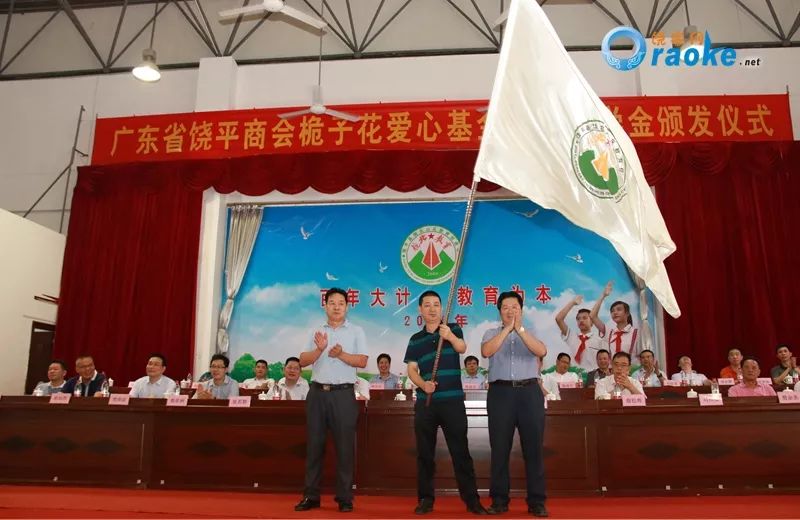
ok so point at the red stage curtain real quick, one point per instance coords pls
(733, 212)
(130, 267)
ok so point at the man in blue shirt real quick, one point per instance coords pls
(473, 378)
(514, 401)
(335, 351)
(384, 376)
(446, 408)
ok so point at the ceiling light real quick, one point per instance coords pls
(148, 70)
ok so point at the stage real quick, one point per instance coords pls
(71, 502)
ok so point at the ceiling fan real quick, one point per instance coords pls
(274, 6)
(317, 107)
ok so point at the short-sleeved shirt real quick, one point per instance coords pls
(729, 372)
(422, 351)
(229, 388)
(47, 389)
(254, 383)
(551, 381)
(593, 343)
(778, 370)
(142, 387)
(477, 379)
(652, 378)
(742, 390)
(333, 371)
(390, 383)
(298, 392)
(694, 378)
(607, 384)
(629, 339)
(513, 361)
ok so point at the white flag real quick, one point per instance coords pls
(549, 137)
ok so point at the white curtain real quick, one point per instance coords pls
(244, 223)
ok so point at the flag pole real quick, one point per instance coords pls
(454, 279)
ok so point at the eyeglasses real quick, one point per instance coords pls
(217, 366)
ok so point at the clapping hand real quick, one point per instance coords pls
(321, 340)
(335, 351)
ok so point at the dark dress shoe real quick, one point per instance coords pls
(477, 509)
(424, 507)
(538, 510)
(306, 504)
(345, 507)
(496, 509)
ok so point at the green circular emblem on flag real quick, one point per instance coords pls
(428, 254)
(598, 161)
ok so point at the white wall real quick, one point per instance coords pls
(31, 265)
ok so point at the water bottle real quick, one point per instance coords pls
(78, 390)
(643, 379)
(684, 379)
(38, 392)
(105, 391)
(187, 383)
(276, 393)
(617, 392)
(110, 382)
(714, 386)
(579, 383)
(739, 378)
(795, 377)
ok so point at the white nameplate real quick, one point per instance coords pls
(471, 386)
(634, 400)
(764, 381)
(726, 381)
(568, 384)
(60, 398)
(377, 386)
(788, 397)
(119, 399)
(710, 399)
(242, 401)
(670, 382)
(178, 400)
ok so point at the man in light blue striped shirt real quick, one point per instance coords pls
(155, 383)
(220, 386)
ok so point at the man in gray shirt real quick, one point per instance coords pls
(220, 386)
(155, 384)
(55, 379)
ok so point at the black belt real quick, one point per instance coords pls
(518, 382)
(329, 388)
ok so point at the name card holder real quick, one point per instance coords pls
(60, 398)
(242, 401)
(377, 386)
(726, 381)
(119, 399)
(178, 400)
(764, 381)
(634, 400)
(670, 382)
(471, 386)
(568, 384)
(788, 397)
(710, 399)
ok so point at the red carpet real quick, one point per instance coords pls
(51, 502)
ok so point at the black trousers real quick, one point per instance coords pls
(520, 408)
(452, 417)
(336, 411)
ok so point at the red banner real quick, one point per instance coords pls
(438, 125)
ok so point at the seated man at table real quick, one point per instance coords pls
(603, 358)
(472, 378)
(749, 386)
(291, 386)
(787, 370)
(687, 375)
(389, 380)
(551, 381)
(88, 381)
(55, 379)
(649, 374)
(734, 368)
(260, 381)
(155, 384)
(220, 386)
(619, 380)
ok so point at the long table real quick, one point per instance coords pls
(748, 445)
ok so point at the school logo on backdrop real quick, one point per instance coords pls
(598, 161)
(428, 254)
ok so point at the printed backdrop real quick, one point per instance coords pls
(384, 254)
